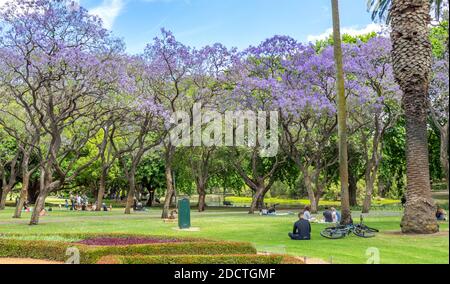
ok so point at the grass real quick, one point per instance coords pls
(303, 202)
(268, 234)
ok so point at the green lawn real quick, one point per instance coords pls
(266, 233)
(302, 202)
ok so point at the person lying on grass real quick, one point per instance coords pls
(302, 229)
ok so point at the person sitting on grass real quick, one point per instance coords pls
(43, 212)
(328, 215)
(272, 210)
(336, 215)
(173, 215)
(441, 215)
(302, 229)
(307, 214)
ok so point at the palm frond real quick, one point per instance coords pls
(379, 9)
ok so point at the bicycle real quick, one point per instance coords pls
(361, 230)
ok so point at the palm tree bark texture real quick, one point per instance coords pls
(412, 57)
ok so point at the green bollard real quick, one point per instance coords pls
(184, 214)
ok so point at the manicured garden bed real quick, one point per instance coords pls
(92, 238)
(200, 259)
(121, 246)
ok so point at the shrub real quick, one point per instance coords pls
(200, 259)
(76, 237)
(205, 248)
(56, 250)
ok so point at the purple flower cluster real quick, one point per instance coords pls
(45, 41)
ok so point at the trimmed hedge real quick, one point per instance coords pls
(55, 250)
(84, 236)
(200, 259)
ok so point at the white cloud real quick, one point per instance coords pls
(3, 2)
(108, 11)
(353, 31)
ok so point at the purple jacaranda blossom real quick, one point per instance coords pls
(439, 90)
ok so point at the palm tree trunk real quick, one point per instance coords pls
(342, 116)
(411, 55)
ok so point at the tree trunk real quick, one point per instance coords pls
(151, 197)
(5, 191)
(342, 115)
(311, 196)
(169, 193)
(381, 187)
(444, 153)
(412, 55)
(38, 207)
(420, 209)
(201, 195)
(101, 189)
(23, 194)
(33, 191)
(202, 202)
(260, 203)
(369, 194)
(258, 200)
(353, 189)
(131, 191)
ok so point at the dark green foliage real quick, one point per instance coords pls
(150, 173)
(346, 38)
(439, 39)
(393, 164)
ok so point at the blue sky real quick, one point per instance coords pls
(235, 23)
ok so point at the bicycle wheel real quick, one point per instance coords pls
(333, 233)
(372, 230)
(366, 228)
(363, 233)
